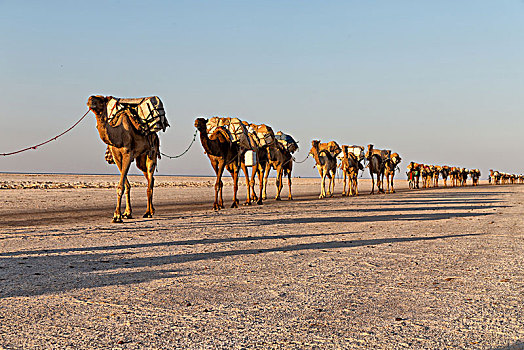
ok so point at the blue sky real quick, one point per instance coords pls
(438, 82)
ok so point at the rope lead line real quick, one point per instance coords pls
(187, 149)
(301, 161)
(43, 143)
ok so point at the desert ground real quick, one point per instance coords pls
(439, 268)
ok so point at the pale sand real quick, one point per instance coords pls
(426, 269)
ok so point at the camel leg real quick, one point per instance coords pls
(219, 169)
(322, 185)
(235, 174)
(392, 187)
(267, 169)
(151, 165)
(380, 183)
(334, 181)
(256, 170)
(344, 190)
(372, 183)
(290, 197)
(127, 192)
(280, 172)
(124, 168)
(246, 173)
(262, 178)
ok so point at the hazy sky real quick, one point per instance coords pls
(437, 81)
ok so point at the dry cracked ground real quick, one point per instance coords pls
(422, 269)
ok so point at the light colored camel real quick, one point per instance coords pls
(327, 167)
(126, 144)
(223, 154)
(390, 167)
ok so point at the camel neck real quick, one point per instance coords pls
(315, 152)
(106, 131)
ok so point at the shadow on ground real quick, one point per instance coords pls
(58, 273)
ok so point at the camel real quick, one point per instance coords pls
(326, 165)
(411, 174)
(223, 154)
(436, 174)
(444, 172)
(350, 166)
(475, 176)
(454, 175)
(414, 174)
(495, 177)
(280, 159)
(463, 176)
(376, 161)
(267, 145)
(126, 144)
(390, 167)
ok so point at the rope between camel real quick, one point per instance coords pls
(187, 149)
(294, 159)
(45, 142)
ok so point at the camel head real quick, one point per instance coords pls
(370, 151)
(314, 146)
(334, 148)
(201, 124)
(98, 103)
(395, 158)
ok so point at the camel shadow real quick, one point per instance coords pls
(516, 346)
(52, 273)
(370, 218)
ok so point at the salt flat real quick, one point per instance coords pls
(424, 269)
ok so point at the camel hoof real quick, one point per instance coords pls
(147, 215)
(290, 198)
(235, 205)
(117, 220)
(260, 202)
(245, 203)
(127, 216)
(278, 199)
(264, 198)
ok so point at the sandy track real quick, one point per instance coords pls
(439, 268)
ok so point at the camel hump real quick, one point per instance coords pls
(148, 112)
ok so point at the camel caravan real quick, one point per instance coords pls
(381, 163)
(233, 144)
(430, 175)
(501, 178)
(130, 127)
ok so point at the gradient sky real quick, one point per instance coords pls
(439, 82)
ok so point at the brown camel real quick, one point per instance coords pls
(376, 161)
(223, 154)
(390, 167)
(126, 144)
(280, 159)
(326, 165)
(350, 166)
